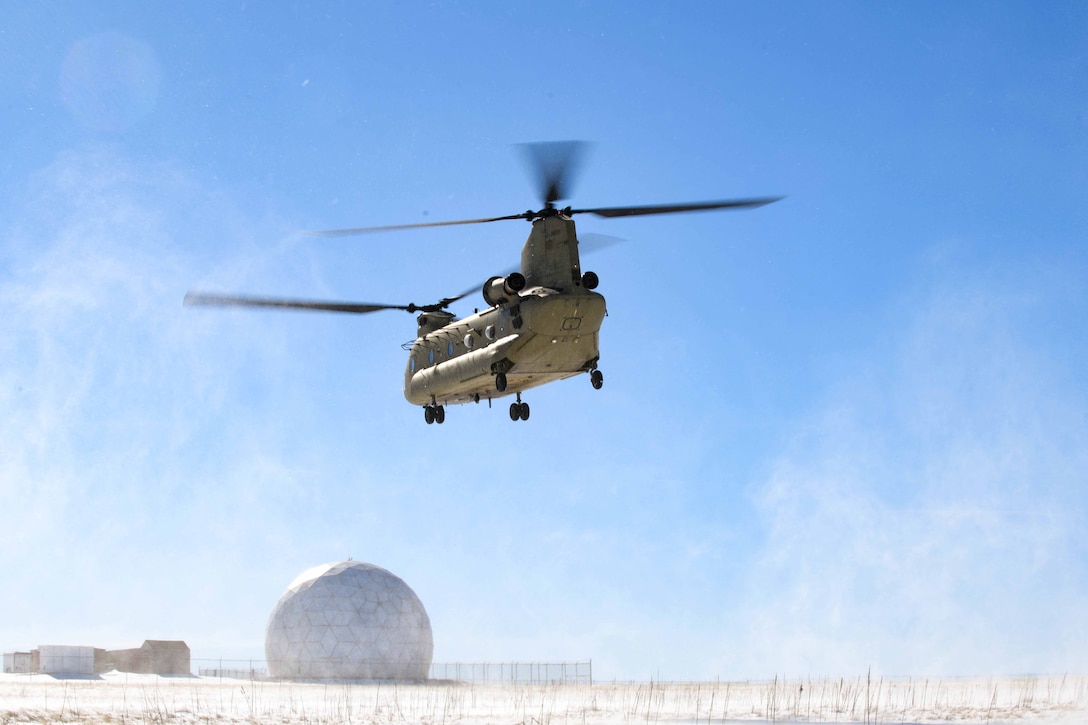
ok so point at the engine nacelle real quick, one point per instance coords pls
(500, 290)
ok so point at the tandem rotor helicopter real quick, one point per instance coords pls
(541, 324)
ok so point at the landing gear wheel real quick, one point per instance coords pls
(428, 414)
(519, 410)
(596, 379)
(440, 414)
(500, 382)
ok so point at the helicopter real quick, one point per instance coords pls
(541, 323)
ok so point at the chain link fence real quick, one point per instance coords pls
(497, 673)
(521, 673)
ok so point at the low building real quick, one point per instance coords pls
(154, 657)
(62, 659)
(19, 662)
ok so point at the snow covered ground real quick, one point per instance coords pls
(123, 698)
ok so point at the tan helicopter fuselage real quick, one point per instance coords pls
(548, 330)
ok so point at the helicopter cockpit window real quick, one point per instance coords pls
(412, 363)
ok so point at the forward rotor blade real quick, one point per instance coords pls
(450, 300)
(424, 225)
(621, 211)
(359, 308)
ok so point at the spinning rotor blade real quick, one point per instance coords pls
(554, 163)
(621, 211)
(360, 308)
(423, 225)
(593, 242)
(608, 212)
(447, 301)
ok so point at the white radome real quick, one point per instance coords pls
(349, 621)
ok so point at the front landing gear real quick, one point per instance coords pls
(519, 410)
(434, 414)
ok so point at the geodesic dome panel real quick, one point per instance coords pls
(349, 621)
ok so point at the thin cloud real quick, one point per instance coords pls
(108, 389)
(912, 524)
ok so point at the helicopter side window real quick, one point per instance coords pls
(449, 348)
(430, 355)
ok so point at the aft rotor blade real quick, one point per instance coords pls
(621, 211)
(594, 242)
(359, 308)
(554, 163)
(424, 225)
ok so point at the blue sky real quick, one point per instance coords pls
(843, 431)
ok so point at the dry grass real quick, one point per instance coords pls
(119, 698)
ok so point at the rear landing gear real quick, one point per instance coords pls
(434, 414)
(596, 379)
(519, 410)
(500, 382)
